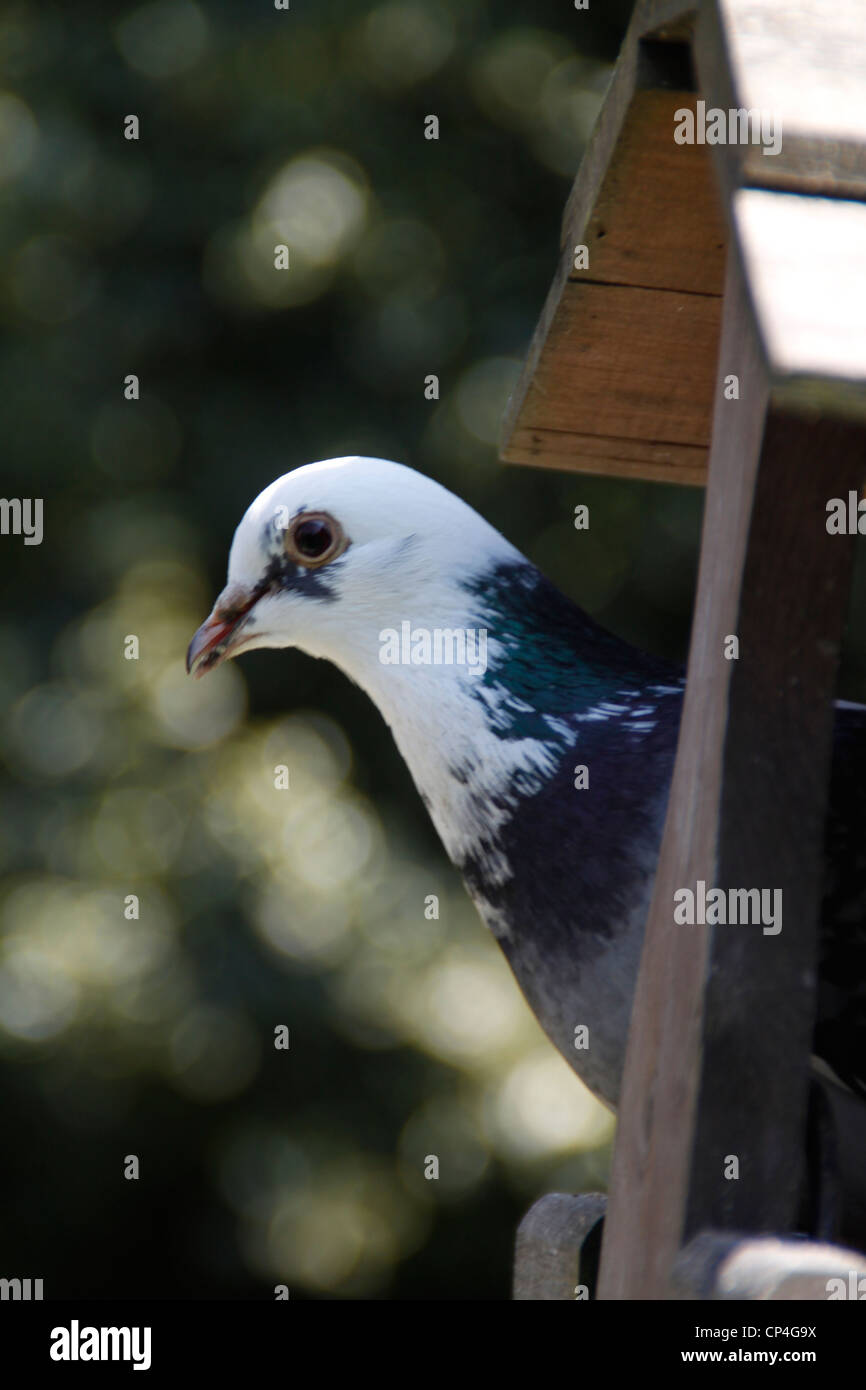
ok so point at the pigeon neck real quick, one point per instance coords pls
(479, 735)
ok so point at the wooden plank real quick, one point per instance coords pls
(639, 67)
(646, 209)
(550, 1241)
(656, 219)
(722, 1019)
(623, 362)
(804, 63)
(805, 260)
(665, 1034)
(618, 457)
(759, 993)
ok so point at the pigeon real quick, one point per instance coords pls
(541, 745)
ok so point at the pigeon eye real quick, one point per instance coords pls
(314, 538)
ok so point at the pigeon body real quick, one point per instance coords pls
(354, 560)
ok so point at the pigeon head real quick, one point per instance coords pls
(334, 553)
(423, 604)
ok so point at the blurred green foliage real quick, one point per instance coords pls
(154, 1035)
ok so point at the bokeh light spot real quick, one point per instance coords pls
(163, 39)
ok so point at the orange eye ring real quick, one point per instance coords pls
(313, 539)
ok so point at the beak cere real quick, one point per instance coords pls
(218, 633)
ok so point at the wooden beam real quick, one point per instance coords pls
(804, 64)
(805, 261)
(628, 364)
(619, 375)
(626, 458)
(654, 221)
(723, 1016)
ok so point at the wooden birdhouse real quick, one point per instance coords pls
(707, 325)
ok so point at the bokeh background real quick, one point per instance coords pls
(260, 907)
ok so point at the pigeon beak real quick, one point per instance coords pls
(217, 638)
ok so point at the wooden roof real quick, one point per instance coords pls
(621, 373)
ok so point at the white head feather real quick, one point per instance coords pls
(412, 547)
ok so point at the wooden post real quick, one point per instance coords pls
(723, 1017)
